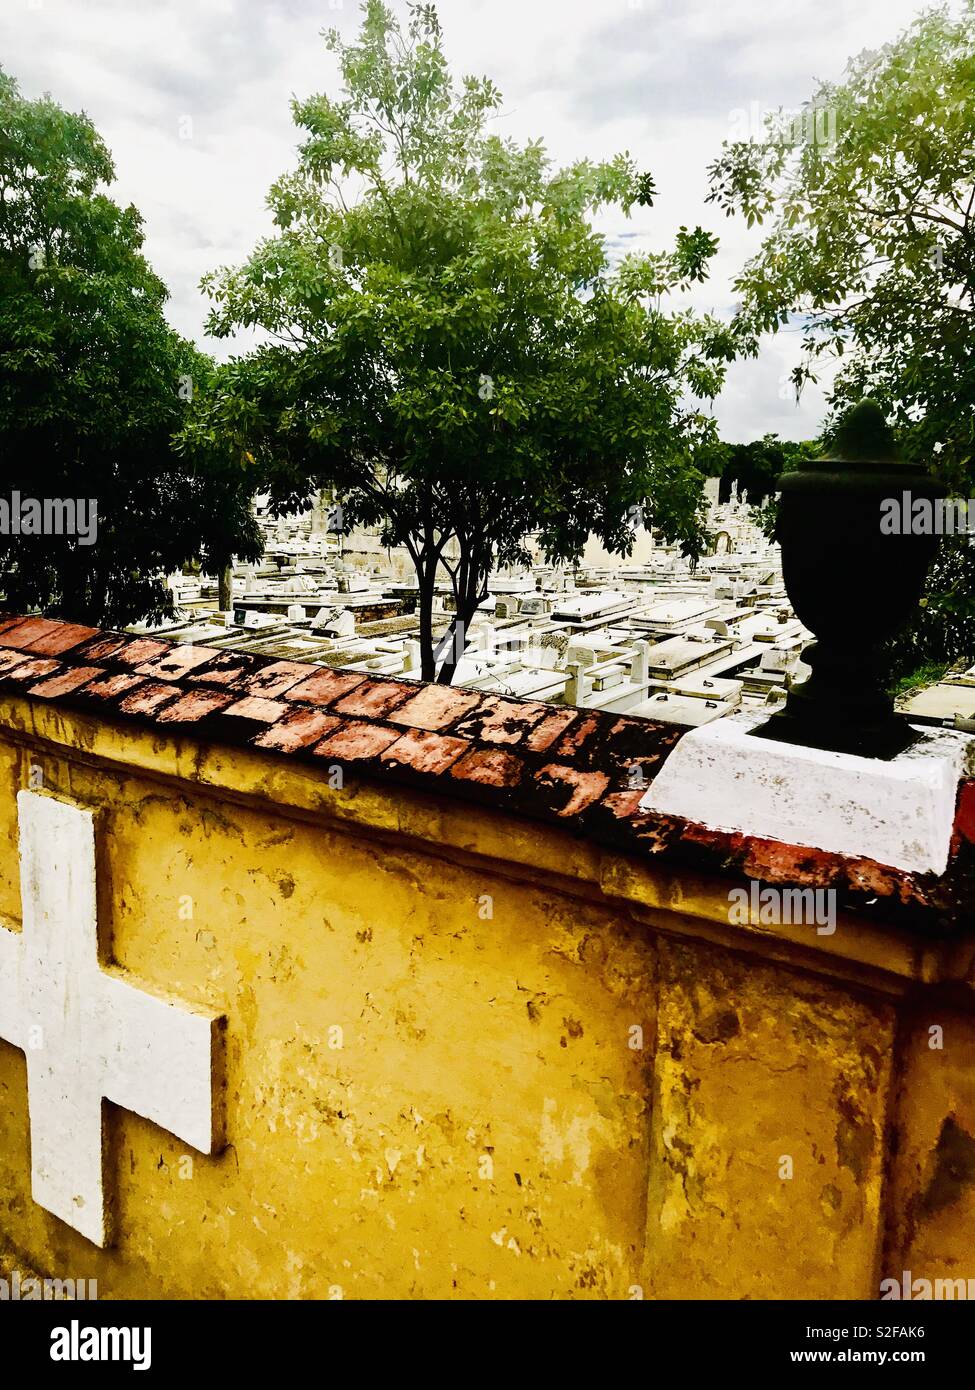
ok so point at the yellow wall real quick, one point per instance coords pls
(561, 1073)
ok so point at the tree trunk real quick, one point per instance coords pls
(225, 588)
(76, 603)
(470, 584)
(456, 640)
(426, 578)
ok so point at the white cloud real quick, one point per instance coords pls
(661, 78)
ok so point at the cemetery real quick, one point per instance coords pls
(481, 896)
(487, 746)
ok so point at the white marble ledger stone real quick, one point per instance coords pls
(900, 812)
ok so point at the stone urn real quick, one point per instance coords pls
(853, 582)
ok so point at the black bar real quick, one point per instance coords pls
(189, 1340)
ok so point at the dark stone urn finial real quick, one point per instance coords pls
(851, 583)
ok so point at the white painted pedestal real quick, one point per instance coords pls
(899, 812)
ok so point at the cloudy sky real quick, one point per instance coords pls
(192, 97)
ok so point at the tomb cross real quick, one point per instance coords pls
(88, 1034)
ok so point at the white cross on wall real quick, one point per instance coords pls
(88, 1034)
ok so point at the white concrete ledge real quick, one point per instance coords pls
(899, 812)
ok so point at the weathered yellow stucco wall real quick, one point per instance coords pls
(471, 1057)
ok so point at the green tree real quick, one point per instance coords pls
(751, 471)
(871, 197)
(447, 344)
(870, 200)
(94, 385)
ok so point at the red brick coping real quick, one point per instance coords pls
(555, 763)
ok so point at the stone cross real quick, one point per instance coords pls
(88, 1034)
